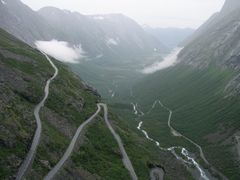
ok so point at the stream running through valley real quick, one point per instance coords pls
(188, 160)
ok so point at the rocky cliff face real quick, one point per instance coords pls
(229, 6)
(217, 41)
(19, 20)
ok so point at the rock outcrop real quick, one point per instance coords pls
(229, 6)
(217, 41)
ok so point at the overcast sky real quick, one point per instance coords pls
(155, 13)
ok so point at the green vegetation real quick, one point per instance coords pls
(197, 98)
(142, 152)
(49, 150)
(200, 111)
(20, 89)
(24, 72)
(70, 101)
(106, 78)
(100, 154)
(68, 105)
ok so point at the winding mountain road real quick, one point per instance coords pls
(71, 146)
(27, 163)
(126, 161)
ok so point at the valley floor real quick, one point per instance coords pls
(201, 112)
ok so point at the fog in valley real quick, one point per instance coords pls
(120, 89)
(168, 61)
(61, 50)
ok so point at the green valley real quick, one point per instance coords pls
(201, 109)
(101, 97)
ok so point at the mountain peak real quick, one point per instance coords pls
(230, 5)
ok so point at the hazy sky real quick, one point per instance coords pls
(156, 13)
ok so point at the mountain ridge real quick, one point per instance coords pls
(216, 41)
(115, 36)
(100, 39)
(229, 6)
(14, 12)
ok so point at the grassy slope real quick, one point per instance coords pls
(25, 74)
(140, 150)
(200, 110)
(60, 118)
(63, 112)
(17, 103)
(100, 154)
(106, 78)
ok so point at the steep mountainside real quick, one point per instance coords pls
(23, 74)
(229, 6)
(199, 97)
(201, 112)
(19, 20)
(203, 93)
(217, 41)
(170, 37)
(115, 44)
(114, 37)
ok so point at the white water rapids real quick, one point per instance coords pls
(188, 160)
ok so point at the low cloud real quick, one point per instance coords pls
(61, 50)
(168, 61)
